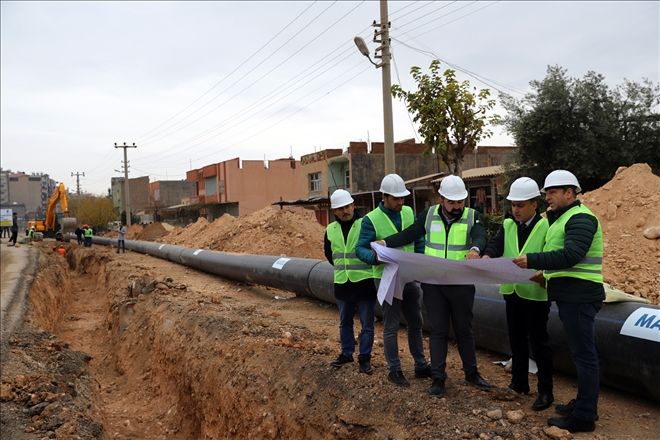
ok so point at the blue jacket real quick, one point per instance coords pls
(368, 234)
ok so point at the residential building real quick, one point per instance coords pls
(31, 190)
(164, 193)
(4, 186)
(241, 187)
(139, 192)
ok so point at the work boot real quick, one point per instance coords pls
(365, 364)
(438, 388)
(341, 360)
(397, 378)
(567, 410)
(543, 401)
(571, 424)
(423, 372)
(477, 381)
(517, 389)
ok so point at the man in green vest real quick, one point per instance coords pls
(88, 232)
(454, 232)
(389, 217)
(527, 305)
(572, 264)
(353, 281)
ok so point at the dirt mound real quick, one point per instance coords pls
(627, 206)
(152, 232)
(269, 231)
(133, 231)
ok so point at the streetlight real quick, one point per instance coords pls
(386, 80)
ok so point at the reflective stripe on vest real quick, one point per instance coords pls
(454, 247)
(384, 228)
(347, 266)
(590, 268)
(534, 243)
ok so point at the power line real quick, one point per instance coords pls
(396, 69)
(434, 20)
(455, 20)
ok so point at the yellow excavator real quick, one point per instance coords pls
(51, 226)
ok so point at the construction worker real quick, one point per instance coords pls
(31, 233)
(14, 230)
(527, 305)
(353, 281)
(572, 264)
(121, 238)
(453, 232)
(61, 250)
(389, 217)
(88, 233)
(79, 235)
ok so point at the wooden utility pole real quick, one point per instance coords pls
(127, 204)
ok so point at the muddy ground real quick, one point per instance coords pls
(132, 347)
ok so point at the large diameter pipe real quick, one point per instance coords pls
(627, 363)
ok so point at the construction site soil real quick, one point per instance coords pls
(126, 346)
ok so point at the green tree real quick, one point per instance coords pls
(452, 115)
(93, 210)
(584, 126)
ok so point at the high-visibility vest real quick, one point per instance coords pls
(88, 232)
(347, 266)
(534, 243)
(31, 233)
(590, 268)
(384, 228)
(453, 247)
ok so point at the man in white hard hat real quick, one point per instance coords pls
(572, 264)
(353, 281)
(527, 305)
(453, 232)
(389, 217)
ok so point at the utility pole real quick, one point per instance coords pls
(382, 36)
(77, 174)
(127, 205)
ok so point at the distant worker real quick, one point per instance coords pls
(572, 264)
(31, 233)
(60, 250)
(389, 217)
(88, 233)
(453, 232)
(353, 281)
(121, 237)
(14, 230)
(527, 305)
(4, 232)
(79, 235)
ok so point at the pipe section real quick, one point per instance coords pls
(628, 363)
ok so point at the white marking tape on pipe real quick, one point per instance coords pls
(197, 251)
(279, 264)
(161, 246)
(643, 323)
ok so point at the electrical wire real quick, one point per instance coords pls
(396, 69)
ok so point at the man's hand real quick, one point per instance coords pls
(539, 278)
(521, 261)
(472, 255)
(380, 242)
(485, 257)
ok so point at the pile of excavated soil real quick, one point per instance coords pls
(269, 231)
(153, 231)
(627, 206)
(133, 231)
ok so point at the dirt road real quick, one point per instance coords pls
(146, 349)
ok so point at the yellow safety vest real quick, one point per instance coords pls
(384, 228)
(457, 245)
(348, 267)
(591, 266)
(88, 232)
(534, 243)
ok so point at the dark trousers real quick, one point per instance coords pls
(527, 322)
(88, 241)
(80, 239)
(444, 303)
(14, 236)
(347, 311)
(579, 322)
(121, 244)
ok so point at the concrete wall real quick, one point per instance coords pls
(139, 189)
(166, 193)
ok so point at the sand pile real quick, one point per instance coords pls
(627, 206)
(133, 231)
(152, 231)
(269, 231)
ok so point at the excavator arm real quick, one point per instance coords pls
(58, 196)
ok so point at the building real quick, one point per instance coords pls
(241, 187)
(164, 193)
(30, 190)
(139, 193)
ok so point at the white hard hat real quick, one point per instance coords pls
(340, 198)
(393, 185)
(523, 189)
(453, 188)
(561, 178)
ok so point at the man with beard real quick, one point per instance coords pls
(453, 232)
(353, 281)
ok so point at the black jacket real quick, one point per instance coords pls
(495, 247)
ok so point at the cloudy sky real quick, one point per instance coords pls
(193, 83)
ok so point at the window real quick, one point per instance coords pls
(314, 182)
(347, 178)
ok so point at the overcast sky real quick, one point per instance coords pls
(194, 83)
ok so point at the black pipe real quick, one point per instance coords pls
(627, 363)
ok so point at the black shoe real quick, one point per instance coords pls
(397, 378)
(567, 410)
(517, 389)
(437, 388)
(423, 372)
(476, 380)
(341, 360)
(365, 365)
(571, 424)
(543, 401)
